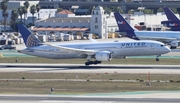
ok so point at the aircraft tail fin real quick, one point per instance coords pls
(29, 38)
(122, 23)
(124, 26)
(170, 15)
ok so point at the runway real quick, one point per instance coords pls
(126, 97)
(80, 68)
(152, 97)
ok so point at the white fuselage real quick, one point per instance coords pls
(118, 49)
(163, 36)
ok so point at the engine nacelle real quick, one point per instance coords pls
(174, 44)
(103, 56)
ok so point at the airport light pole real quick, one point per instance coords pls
(142, 8)
(119, 1)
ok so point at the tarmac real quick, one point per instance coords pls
(80, 68)
(127, 97)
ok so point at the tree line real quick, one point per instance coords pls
(22, 10)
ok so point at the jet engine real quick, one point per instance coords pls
(103, 56)
(174, 44)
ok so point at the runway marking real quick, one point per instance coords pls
(78, 68)
(51, 101)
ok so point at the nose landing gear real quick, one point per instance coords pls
(157, 59)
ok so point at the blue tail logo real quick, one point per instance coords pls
(30, 39)
(121, 22)
(173, 24)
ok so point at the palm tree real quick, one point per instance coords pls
(174, 10)
(20, 11)
(26, 4)
(160, 10)
(14, 16)
(59, 10)
(5, 15)
(4, 12)
(24, 10)
(38, 9)
(33, 11)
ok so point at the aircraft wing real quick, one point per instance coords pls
(81, 51)
(156, 38)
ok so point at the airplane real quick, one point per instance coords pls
(173, 22)
(171, 38)
(100, 51)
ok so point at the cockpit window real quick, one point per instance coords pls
(163, 45)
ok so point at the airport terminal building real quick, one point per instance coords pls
(65, 21)
(97, 23)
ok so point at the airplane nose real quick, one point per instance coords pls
(167, 49)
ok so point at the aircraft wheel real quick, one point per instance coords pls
(95, 62)
(87, 63)
(91, 62)
(157, 59)
(173, 47)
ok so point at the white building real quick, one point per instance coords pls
(150, 20)
(43, 13)
(99, 23)
(66, 21)
(15, 5)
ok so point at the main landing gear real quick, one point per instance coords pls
(89, 62)
(157, 59)
(92, 62)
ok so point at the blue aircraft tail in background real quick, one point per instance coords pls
(124, 26)
(29, 38)
(173, 22)
(170, 15)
